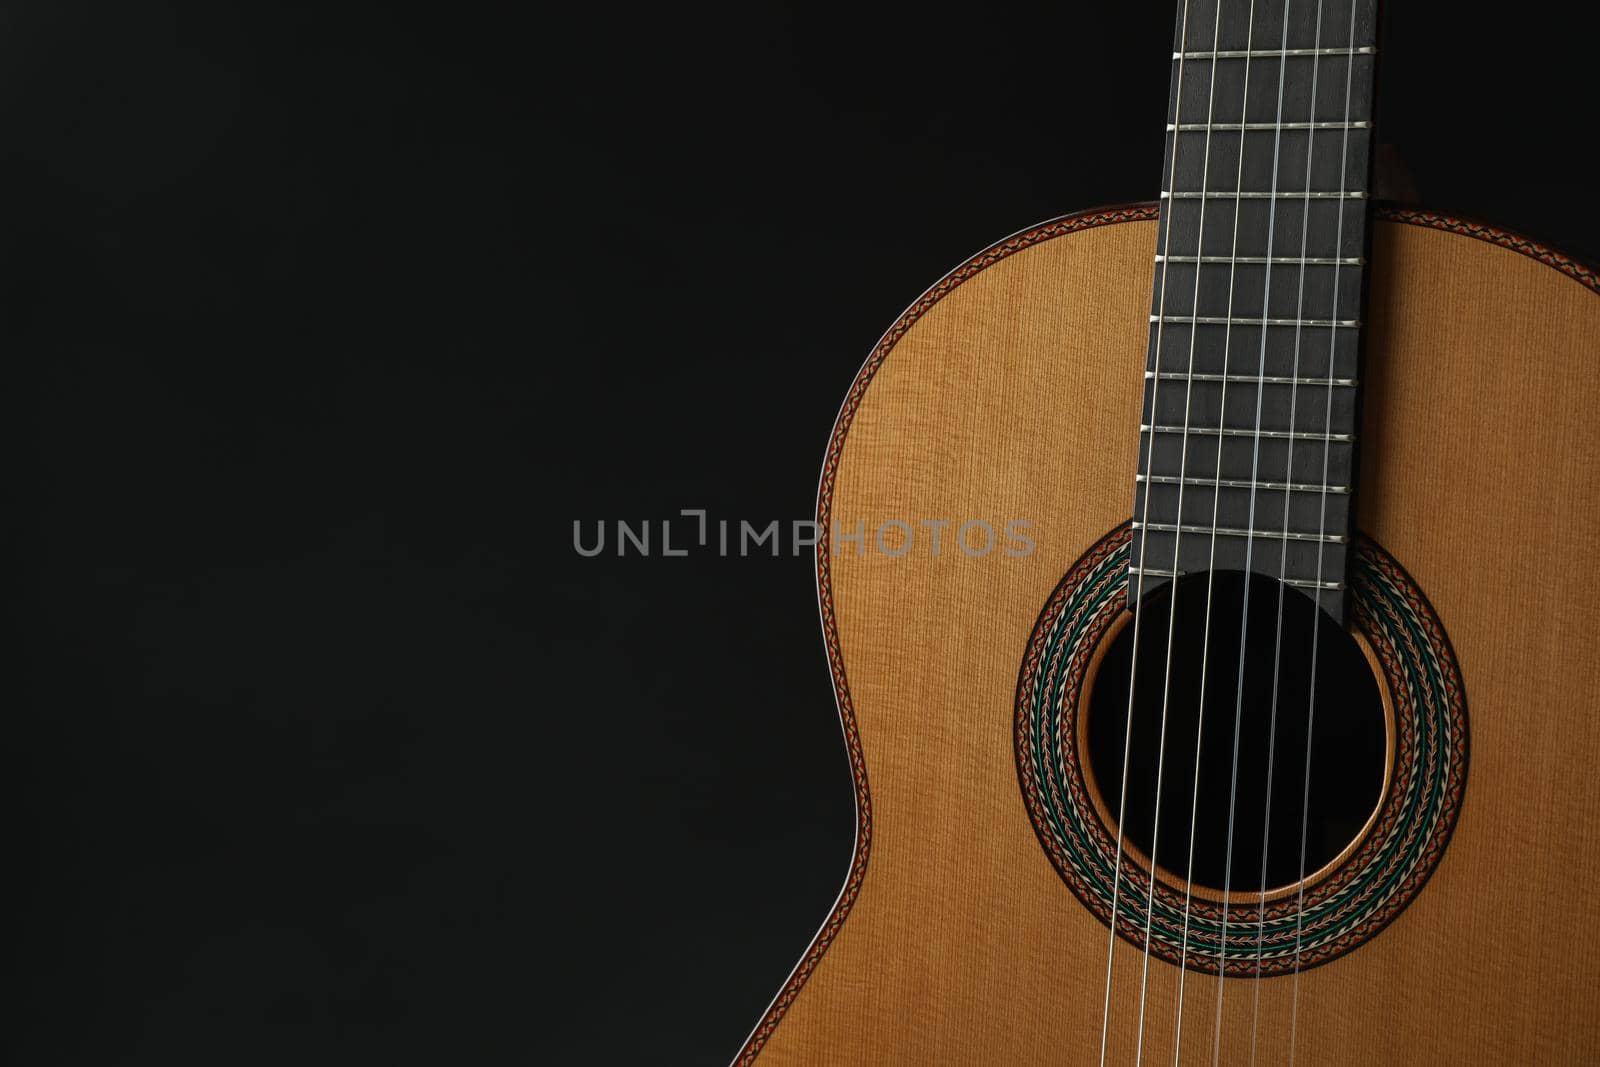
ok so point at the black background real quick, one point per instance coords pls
(329, 319)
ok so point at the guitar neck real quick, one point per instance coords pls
(1247, 456)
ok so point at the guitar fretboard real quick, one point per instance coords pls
(1248, 431)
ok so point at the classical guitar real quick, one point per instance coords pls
(1266, 742)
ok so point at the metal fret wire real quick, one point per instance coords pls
(1216, 503)
(1255, 464)
(1322, 522)
(1177, 537)
(1283, 564)
(1155, 386)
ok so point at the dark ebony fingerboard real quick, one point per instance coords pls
(1248, 432)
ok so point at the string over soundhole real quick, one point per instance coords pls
(1239, 828)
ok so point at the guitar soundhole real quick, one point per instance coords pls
(1247, 824)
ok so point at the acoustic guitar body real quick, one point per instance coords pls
(963, 934)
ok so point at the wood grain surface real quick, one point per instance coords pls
(1015, 397)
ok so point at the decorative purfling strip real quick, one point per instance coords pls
(1550, 257)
